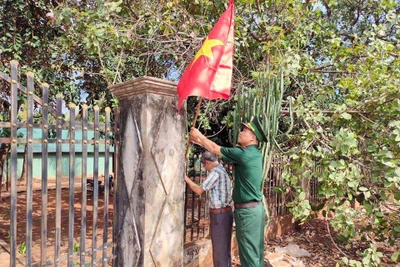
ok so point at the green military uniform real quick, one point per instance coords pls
(249, 222)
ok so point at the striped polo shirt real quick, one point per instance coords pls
(219, 187)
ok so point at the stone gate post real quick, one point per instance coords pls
(150, 187)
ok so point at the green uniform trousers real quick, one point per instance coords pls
(250, 235)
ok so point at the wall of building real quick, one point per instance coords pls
(52, 166)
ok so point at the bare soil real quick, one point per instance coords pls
(51, 221)
(325, 251)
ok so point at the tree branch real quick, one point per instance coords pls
(329, 112)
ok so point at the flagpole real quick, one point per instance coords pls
(193, 125)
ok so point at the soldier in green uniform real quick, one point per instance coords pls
(247, 196)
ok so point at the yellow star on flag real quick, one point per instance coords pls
(209, 75)
(205, 49)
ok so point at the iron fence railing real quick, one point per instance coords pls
(62, 232)
(195, 205)
(274, 195)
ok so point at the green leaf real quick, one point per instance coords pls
(395, 256)
(346, 116)
(279, 189)
(353, 184)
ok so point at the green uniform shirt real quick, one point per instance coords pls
(247, 163)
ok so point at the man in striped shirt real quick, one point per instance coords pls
(218, 185)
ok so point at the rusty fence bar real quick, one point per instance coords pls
(14, 162)
(195, 208)
(35, 133)
(29, 151)
(96, 184)
(115, 186)
(199, 206)
(193, 198)
(185, 215)
(84, 183)
(106, 185)
(71, 186)
(45, 134)
(7, 173)
(58, 180)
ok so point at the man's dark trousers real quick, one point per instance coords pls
(221, 236)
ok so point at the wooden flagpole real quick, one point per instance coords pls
(193, 125)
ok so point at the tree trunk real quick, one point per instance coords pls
(4, 149)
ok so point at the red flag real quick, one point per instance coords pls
(209, 75)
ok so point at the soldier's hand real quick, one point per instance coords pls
(195, 135)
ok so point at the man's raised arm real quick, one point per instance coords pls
(199, 138)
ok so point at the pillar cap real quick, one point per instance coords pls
(144, 85)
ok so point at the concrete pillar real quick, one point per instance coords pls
(150, 188)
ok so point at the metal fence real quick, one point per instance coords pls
(73, 227)
(274, 195)
(195, 206)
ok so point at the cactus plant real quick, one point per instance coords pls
(265, 100)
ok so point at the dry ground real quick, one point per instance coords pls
(314, 237)
(36, 221)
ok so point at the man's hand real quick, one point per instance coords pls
(200, 139)
(195, 136)
(193, 186)
(187, 179)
